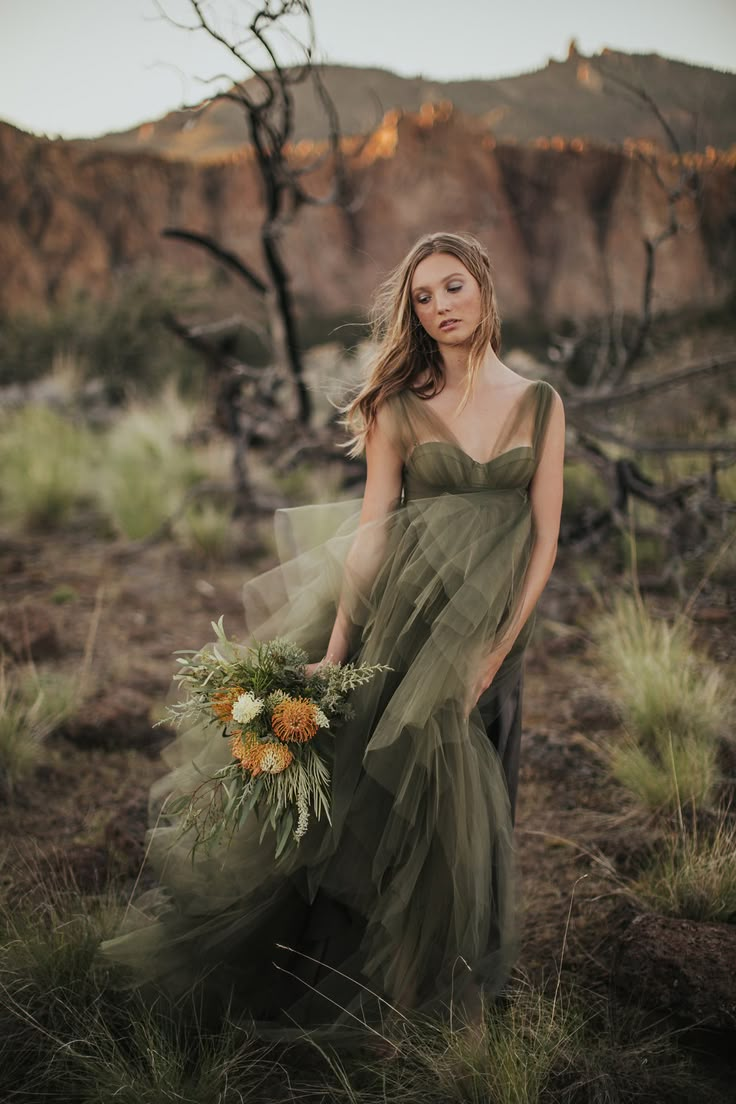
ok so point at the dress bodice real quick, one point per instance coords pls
(436, 467)
(440, 467)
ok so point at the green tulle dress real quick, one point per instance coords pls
(408, 896)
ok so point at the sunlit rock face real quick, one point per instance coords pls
(564, 219)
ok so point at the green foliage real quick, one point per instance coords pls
(526, 1042)
(531, 1048)
(121, 340)
(136, 474)
(726, 480)
(206, 529)
(668, 772)
(296, 483)
(32, 705)
(583, 489)
(70, 1033)
(46, 463)
(270, 667)
(159, 1062)
(693, 874)
(675, 705)
(147, 467)
(48, 982)
(306, 482)
(63, 594)
(660, 681)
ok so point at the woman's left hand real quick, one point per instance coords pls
(485, 676)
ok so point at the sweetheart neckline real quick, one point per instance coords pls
(535, 386)
(476, 463)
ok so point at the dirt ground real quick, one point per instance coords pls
(128, 609)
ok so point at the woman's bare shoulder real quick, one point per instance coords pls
(387, 417)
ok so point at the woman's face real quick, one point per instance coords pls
(446, 299)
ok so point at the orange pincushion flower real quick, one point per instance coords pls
(272, 759)
(245, 747)
(256, 756)
(295, 719)
(224, 700)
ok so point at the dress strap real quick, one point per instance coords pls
(545, 395)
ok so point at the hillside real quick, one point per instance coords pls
(578, 97)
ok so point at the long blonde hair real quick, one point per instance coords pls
(404, 348)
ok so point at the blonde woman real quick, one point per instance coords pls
(406, 899)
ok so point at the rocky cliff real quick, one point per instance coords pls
(564, 220)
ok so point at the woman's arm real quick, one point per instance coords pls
(545, 493)
(381, 496)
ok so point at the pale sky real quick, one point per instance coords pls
(82, 67)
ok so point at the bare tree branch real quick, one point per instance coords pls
(663, 447)
(701, 369)
(225, 256)
(268, 108)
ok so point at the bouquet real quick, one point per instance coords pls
(279, 723)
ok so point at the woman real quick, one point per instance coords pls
(406, 898)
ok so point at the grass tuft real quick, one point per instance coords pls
(69, 1033)
(32, 705)
(148, 468)
(675, 705)
(206, 529)
(668, 772)
(49, 982)
(45, 465)
(532, 1048)
(662, 684)
(693, 874)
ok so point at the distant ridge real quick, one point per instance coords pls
(577, 97)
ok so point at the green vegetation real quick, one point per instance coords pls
(583, 489)
(32, 704)
(693, 874)
(677, 707)
(667, 692)
(69, 1033)
(45, 465)
(534, 1048)
(674, 703)
(668, 771)
(206, 529)
(121, 341)
(134, 477)
(148, 468)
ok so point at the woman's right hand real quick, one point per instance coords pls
(311, 668)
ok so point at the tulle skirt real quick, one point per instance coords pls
(406, 897)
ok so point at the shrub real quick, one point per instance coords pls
(45, 466)
(147, 466)
(121, 340)
(584, 489)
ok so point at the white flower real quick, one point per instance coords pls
(246, 707)
(323, 721)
